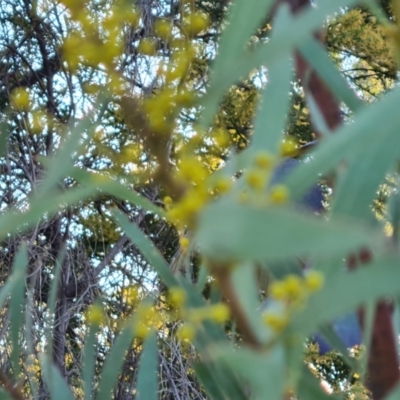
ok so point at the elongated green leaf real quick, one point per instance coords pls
(245, 286)
(147, 381)
(89, 353)
(271, 117)
(13, 220)
(53, 299)
(230, 231)
(220, 381)
(115, 361)
(237, 33)
(318, 58)
(266, 54)
(264, 371)
(356, 191)
(16, 307)
(349, 142)
(346, 291)
(116, 189)
(58, 387)
(309, 388)
(146, 247)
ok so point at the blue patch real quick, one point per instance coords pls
(313, 200)
(347, 329)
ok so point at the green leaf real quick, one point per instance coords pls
(57, 385)
(270, 120)
(345, 292)
(115, 188)
(147, 248)
(12, 220)
(264, 371)
(309, 388)
(230, 231)
(147, 381)
(355, 193)
(266, 54)
(318, 58)
(17, 301)
(243, 20)
(89, 354)
(244, 283)
(219, 381)
(114, 361)
(345, 143)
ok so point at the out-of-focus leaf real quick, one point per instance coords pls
(17, 307)
(265, 372)
(115, 361)
(347, 291)
(147, 381)
(230, 231)
(57, 385)
(345, 143)
(146, 247)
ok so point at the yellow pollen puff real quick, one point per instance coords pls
(177, 296)
(277, 290)
(255, 179)
(293, 286)
(264, 160)
(95, 315)
(314, 281)
(186, 332)
(219, 313)
(167, 200)
(279, 194)
(289, 147)
(147, 47)
(276, 322)
(221, 138)
(223, 185)
(20, 99)
(163, 29)
(38, 121)
(195, 23)
(141, 330)
(184, 243)
(185, 98)
(130, 295)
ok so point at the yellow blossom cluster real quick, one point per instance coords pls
(292, 292)
(257, 178)
(148, 318)
(193, 317)
(97, 41)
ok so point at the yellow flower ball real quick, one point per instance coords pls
(289, 147)
(264, 160)
(147, 47)
(177, 296)
(184, 243)
(196, 23)
(20, 99)
(219, 313)
(163, 29)
(95, 315)
(276, 322)
(255, 179)
(186, 332)
(279, 194)
(314, 280)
